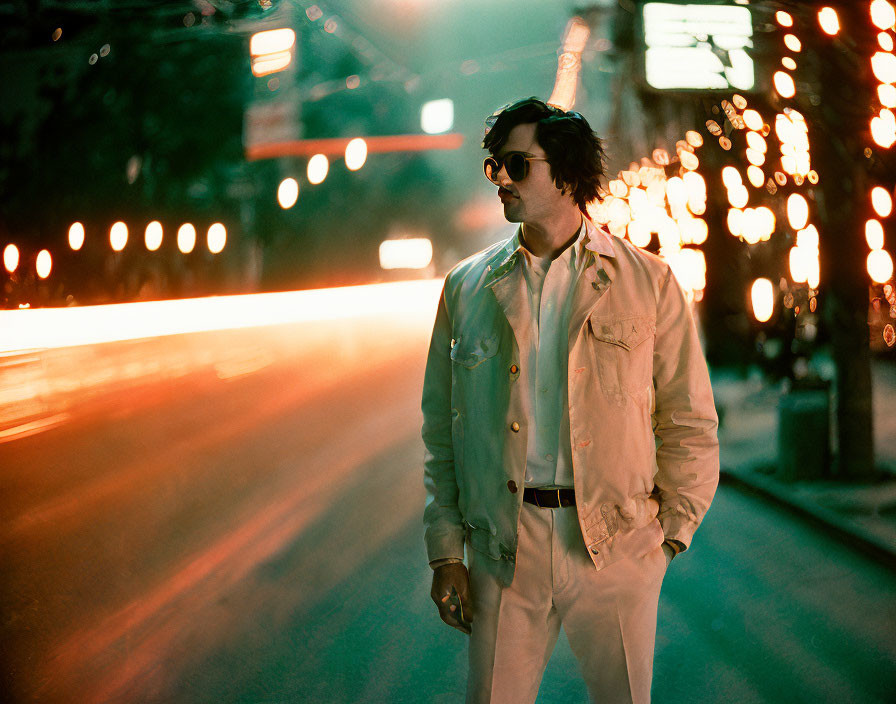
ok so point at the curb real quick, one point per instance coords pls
(831, 522)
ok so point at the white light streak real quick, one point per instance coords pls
(50, 328)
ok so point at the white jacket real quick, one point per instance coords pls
(642, 419)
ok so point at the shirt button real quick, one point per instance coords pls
(514, 369)
(511, 485)
(515, 427)
(549, 458)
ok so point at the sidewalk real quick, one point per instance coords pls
(863, 515)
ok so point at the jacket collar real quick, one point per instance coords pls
(598, 240)
(500, 264)
(503, 260)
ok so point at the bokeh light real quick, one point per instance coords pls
(762, 298)
(318, 167)
(44, 263)
(874, 234)
(886, 94)
(152, 236)
(118, 236)
(883, 128)
(355, 154)
(784, 18)
(784, 84)
(186, 238)
(792, 42)
(76, 236)
(10, 258)
(881, 201)
(880, 266)
(216, 238)
(755, 176)
(797, 211)
(410, 253)
(829, 21)
(288, 193)
(883, 65)
(437, 116)
(883, 14)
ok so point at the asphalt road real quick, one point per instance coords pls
(257, 538)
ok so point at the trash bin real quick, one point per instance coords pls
(804, 432)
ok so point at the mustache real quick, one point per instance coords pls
(502, 190)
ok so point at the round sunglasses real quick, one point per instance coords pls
(516, 163)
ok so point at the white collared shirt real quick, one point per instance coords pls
(550, 285)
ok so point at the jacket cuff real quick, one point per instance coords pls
(446, 544)
(445, 561)
(677, 527)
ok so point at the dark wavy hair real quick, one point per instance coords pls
(575, 153)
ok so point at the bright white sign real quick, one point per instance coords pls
(698, 46)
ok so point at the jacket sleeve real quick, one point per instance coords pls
(442, 519)
(685, 420)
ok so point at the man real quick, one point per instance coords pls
(569, 427)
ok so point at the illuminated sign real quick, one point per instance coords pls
(698, 46)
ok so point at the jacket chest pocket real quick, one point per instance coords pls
(622, 350)
(470, 351)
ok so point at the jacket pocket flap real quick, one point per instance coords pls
(472, 351)
(627, 333)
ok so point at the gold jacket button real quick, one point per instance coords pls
(514, 369)
(512, 486)
(595, 551)
(515, 427)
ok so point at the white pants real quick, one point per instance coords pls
(609, 615)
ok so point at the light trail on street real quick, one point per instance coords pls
(48, 328)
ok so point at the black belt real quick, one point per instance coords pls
(550, 498)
